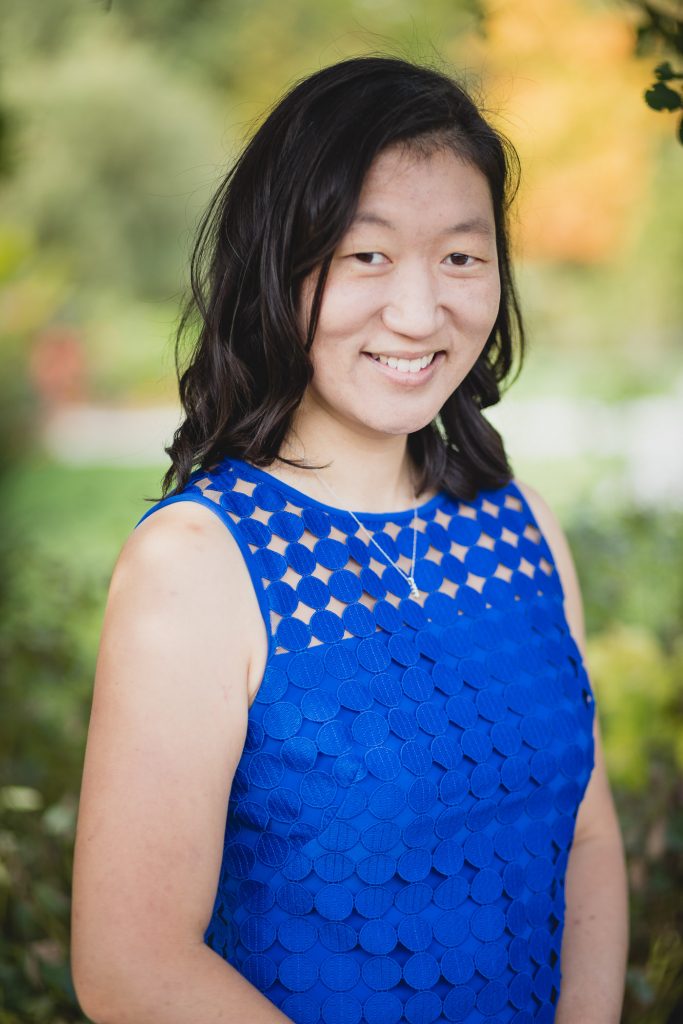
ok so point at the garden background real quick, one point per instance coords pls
(117, 119)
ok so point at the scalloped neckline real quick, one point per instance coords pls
(303, 499)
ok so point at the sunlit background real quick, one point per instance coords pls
(117, 121)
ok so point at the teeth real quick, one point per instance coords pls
(405, 365)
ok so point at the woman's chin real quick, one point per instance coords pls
(399, 425)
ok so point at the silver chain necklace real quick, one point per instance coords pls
(409, 577)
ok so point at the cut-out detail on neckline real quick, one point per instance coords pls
(301, 498)
(319, 573)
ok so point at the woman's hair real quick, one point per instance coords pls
(279, 214)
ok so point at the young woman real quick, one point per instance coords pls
(344, 763)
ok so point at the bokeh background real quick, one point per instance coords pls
(117, 121)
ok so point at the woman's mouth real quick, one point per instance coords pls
(405, 370)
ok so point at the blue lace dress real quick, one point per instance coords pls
(400, 820)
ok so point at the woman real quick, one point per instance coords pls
(389, 706)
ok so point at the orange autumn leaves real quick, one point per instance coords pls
(562, 81)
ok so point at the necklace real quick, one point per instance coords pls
(409, 577)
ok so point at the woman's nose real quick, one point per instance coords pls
(412, 307)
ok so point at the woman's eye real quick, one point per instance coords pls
(366, 257)
(460, 259)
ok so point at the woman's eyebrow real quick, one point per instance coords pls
(473, 226)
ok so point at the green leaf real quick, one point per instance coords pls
(20, 798)
(661, 97)
(664, 71)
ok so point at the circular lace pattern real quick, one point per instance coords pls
(402, 813)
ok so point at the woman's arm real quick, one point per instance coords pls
(167, 728)
(595, 939)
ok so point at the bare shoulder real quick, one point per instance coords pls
(557, 542)
(175, 623)
(175, 638)
(186, 530)
(184, 550)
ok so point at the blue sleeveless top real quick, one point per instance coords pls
(400, 821)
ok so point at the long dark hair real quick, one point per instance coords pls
(281, 212)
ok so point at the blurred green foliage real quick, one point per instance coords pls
(135, 178)
(47, 671)
(631, 567)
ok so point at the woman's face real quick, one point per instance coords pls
(415, 276)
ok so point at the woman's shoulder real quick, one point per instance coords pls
(181, 553)
(187, 548)
(180, 549)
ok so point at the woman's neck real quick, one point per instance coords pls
(367, 477)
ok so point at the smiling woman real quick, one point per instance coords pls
(344, 761)
(394, 294)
